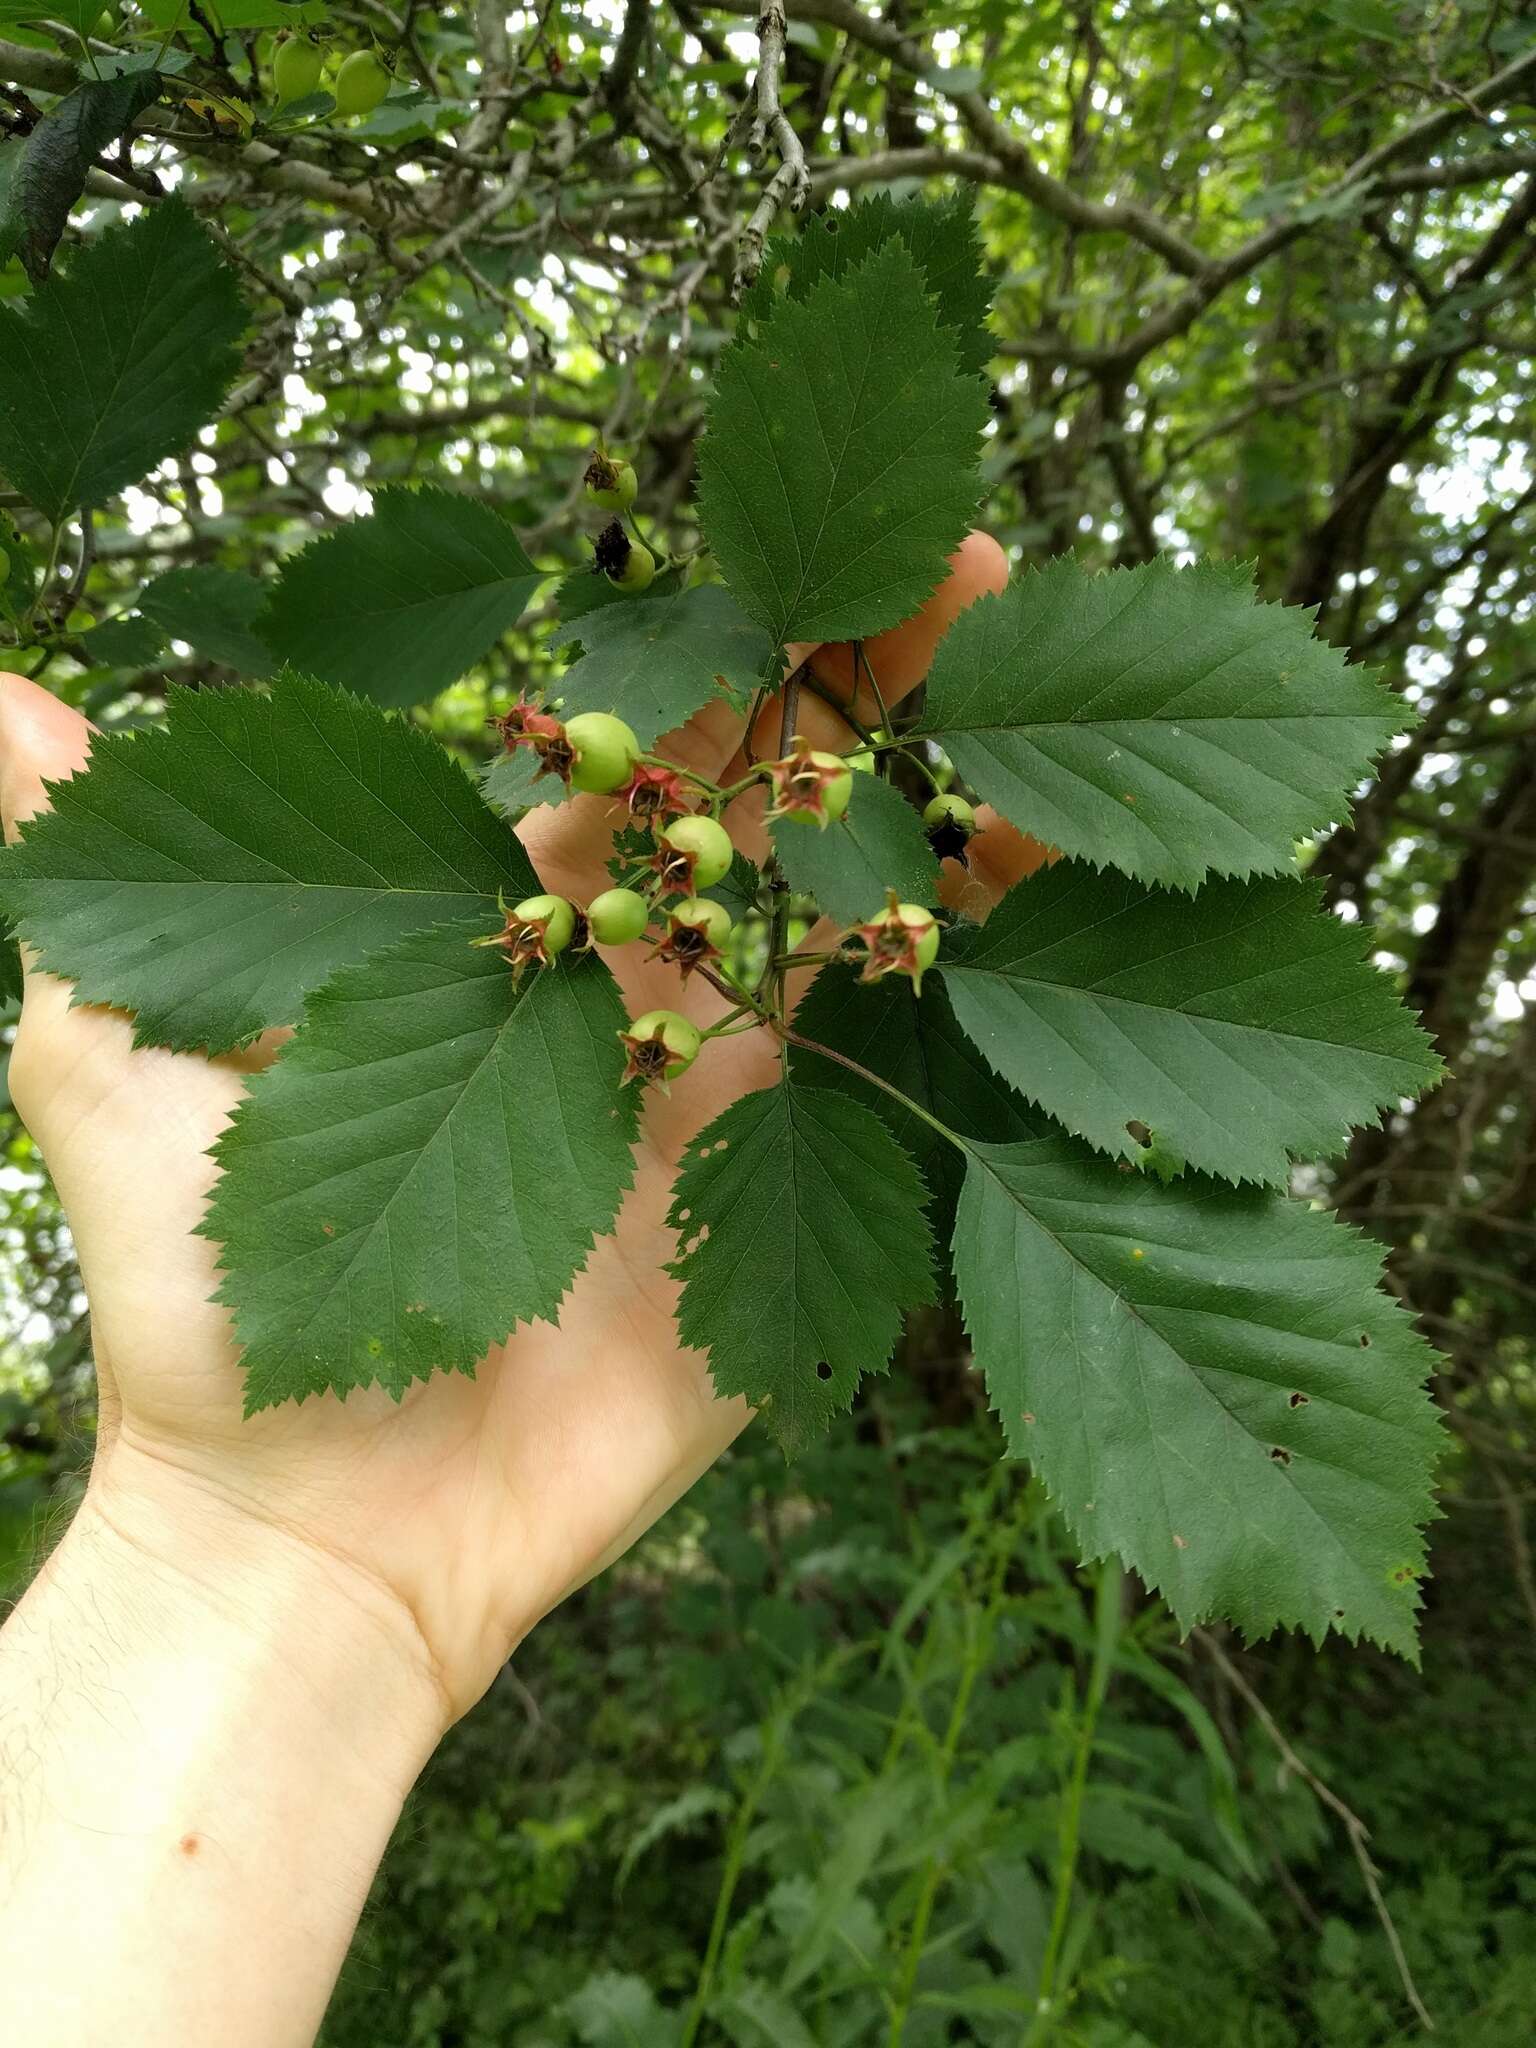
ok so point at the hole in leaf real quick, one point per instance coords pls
(1300, 1400)
(1338, 1614)
(1140, 1132)
(1280, 1455)
(1365, 1340)
(823, 1371)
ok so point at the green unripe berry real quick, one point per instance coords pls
(712, 919)
(553, 916)
(864, 759)
(626, 562)
(639, 569)
(604, 751)
(927, 948)
(949, 810)
(610, 484)
(902, 939)
(296, 68)
(810, 784)
(617, 916)
(362, 84)
(661, 1045)
(708, 844)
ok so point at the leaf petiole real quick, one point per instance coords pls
(913, 1108)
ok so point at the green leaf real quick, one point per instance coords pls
(117, 362)
(10, 965)
(840, 465)
(914, 1043)
(610, 2011)
(215, 612)
(425, 1166)
(1156, 720)
(10, 226)
(803, 1242)
(1115, 1831)
(941, 236)
(657, 660)
(878, 844)
(1242, 1027)
(653, 660)
(588, 590)
(19, 583)
(206, 875)
(80, 15)
(399, 604)
(740, 888)
(1210, 1384)
(60, 153)
(127, 642)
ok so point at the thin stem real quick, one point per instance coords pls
(914, 1108)
(795, 959)
(711, 789)
(741, 1827)
(55, 543)
(1354, 1826)
(645, 542)
(861, 661)
(790, 707)
(728, 1027)
(978, 1643)
(735, 1858)
(1106, 1636)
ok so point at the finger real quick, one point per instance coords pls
(569, 842)
(41, 741)
(898, 659)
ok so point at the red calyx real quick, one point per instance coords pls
(654, 796)
(528, 725)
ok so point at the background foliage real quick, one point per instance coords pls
(819, 1762)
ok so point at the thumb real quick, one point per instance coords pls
(41, 741)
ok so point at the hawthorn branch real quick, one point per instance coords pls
(769, 122)
(1355, 1829)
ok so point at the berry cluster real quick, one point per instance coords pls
(358, 80)
(677, 849)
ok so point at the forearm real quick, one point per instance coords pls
(206, 1734)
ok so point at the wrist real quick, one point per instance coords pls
(191, 1571)
(207, 1730)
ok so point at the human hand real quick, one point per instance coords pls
(471, 1506)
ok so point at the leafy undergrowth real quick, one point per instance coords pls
(716, 1795)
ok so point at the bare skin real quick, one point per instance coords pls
(218, 1692)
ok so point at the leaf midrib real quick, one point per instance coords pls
(1150, 1330)
(1067, 988)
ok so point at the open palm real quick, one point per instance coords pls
(478, 1502)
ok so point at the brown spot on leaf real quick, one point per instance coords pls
(1181, 1542)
